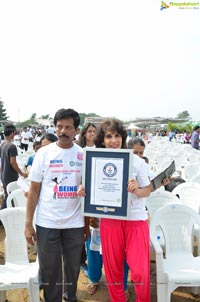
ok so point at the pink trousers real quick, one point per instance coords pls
(126, 240)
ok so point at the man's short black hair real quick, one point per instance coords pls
(196, 128)
(62, 114)
(8, 129)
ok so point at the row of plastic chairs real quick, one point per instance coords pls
(18, 271)
(16, 197)
(160, 152)
(187, 193)
(174, 228)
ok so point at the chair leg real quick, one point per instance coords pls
(2, 295)
(162, 293)
(34, 291)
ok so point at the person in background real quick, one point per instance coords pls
(171, 135)
(87, 136)
(195, 137)
(187, 136)
(60, 226)
(36, 147)
(48, 139)
(10, 170)
(50, 129)
(1, 137)
(17, 139)
(38, 136)
(91, 269)
(25, 138)
(138, 146)
(126, 240)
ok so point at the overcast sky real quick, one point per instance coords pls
(124, 59)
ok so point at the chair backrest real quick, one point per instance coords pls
(196, 178)
(16, 199)
(12, 186)
(191, 170)
(194, 156)
(159, 199)
(13, 220)
(189, 194)
(177, 223)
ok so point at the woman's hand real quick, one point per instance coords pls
(132, 185)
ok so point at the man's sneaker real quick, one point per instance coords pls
(84, 269)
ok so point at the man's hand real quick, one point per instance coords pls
(81, 191)
(165, 181)
(30, 233)
(86, 232)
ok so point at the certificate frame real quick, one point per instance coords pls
(113, 185)
(167, 173)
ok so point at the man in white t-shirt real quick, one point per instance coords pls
(55, 176)
(25, 138)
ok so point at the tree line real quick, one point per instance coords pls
(33, 119)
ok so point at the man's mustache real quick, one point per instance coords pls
(63, 135)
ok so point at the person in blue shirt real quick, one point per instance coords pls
(36, 147)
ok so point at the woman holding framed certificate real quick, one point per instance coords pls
(126, 239)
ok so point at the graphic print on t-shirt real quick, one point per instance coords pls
(56, 187)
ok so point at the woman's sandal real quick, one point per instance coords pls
(91, 288)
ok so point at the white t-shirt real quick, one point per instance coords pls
(51, 130)
(59, 170)
(17, 140)
(138, 211)
(25, 137)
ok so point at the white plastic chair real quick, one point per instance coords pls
(16, 199)
(17, 272)
(177, 267)
(12, 186)
(189, 194)
(190, 170)
(196, 178)
(159, 199)
(194, 156)
(155, 201)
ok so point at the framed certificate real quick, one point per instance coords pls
(105, 178)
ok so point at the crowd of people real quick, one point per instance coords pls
(182, 137)
(54, 220)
